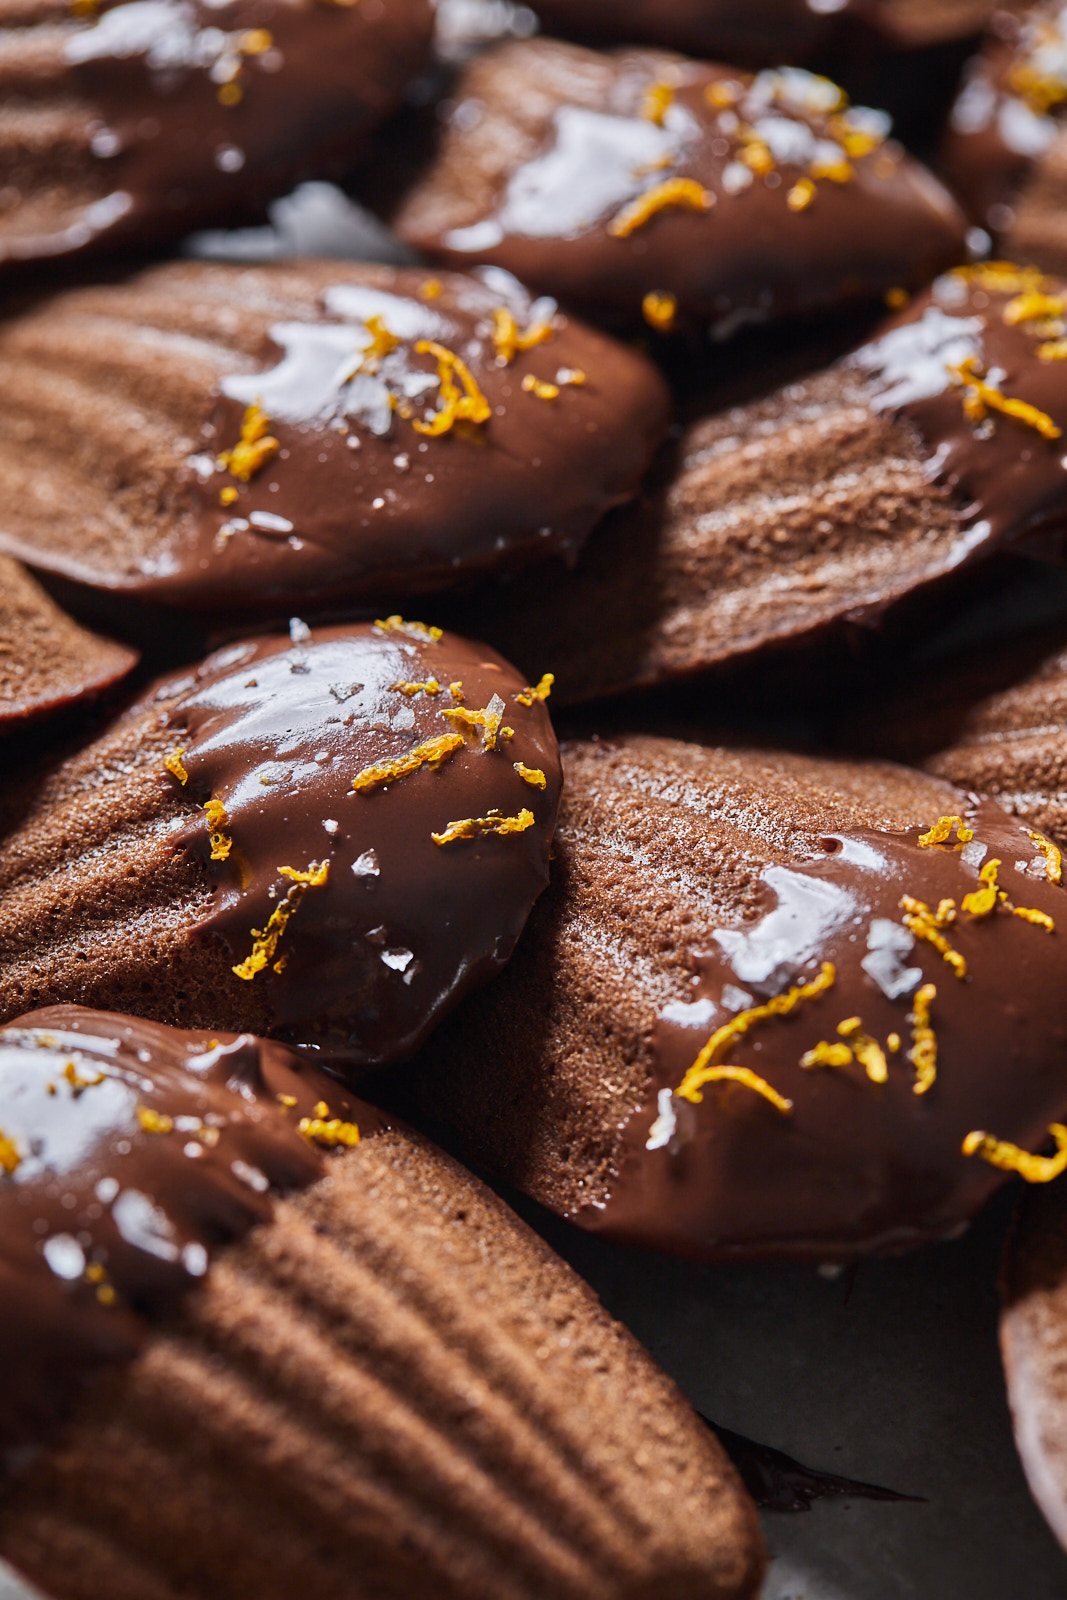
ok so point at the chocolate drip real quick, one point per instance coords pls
(852, 1164)
(784, 200)
(181, 111)
(131, 1153)
(360, 925)
(1007, 471)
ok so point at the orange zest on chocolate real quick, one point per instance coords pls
(77, 1083)
(430, 687)
(1053, 858)
(1009, 1157)
(429, 754)
(175, 766)
(923, 1052)
(673, 194)
(801, 195)
(981, 397)
(10, 1160)
(488, 720)
(508, 339)
(254, 448)
(329, 1131)
(941, 832)
(983, 902)
(217, 821)
(541, 692)
(154, 1121)
(1040, 919)
(266, 940)
(926, 924)
(539, 388)
(704, 1068)
(417, 630)
(868, 1051)
(656, 102)
(659, 309)
(749, 1080)
(474, 827)
(827, 1053)
(460, 402)
(531, 775)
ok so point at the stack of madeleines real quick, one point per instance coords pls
(688, 402)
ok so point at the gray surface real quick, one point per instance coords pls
(891, 1376)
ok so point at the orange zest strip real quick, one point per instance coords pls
(941, 832)
(801, 194)
(703, 1070)
(673, 194)
(10, 1160)
(750, 1080)
(508, 339)
(473, 827)
(541, 692)
(329, 1131)
(417, 630)
(458, 404)
(1053, 858)
(154, 1121)
(981, 396)
(656, 102)
(1040, 919)
(217, 821)
(660, 310)
(266, 939)
(868, 1051)
(982, 902)
(827, 1053)
(1009, 1157)
(254, 448)
(176, 766)
(926, 924)
(531, 775)
(429, 754)
(923, 1052)
(539, 388)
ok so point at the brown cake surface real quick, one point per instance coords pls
(46, 659)
(133, 123)
(1033, 1341)
(764, 34)
(935, 444)
(776, 917)
(314, 838)
(387, 1383)
(230, 438)
(642, 182)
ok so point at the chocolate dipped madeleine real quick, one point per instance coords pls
(762, 34)
(770, 1006)
(935, 445)
(642, 183)
(130, 124)
(329, 840)
(229, 438)
(46, 659)
(1033, 1339)
(1005, 152)
(263, 1345)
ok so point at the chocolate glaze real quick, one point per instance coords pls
(104, 1221)
(184, 110)
(1002, 122)
(758, 34)
(549, 143)
(402, 926)
(857, 1166)
(1010, 479)
(777, 1482)
(348, 499)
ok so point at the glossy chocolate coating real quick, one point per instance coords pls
(169, 113)
(763, 33)
(132, 1153)
(348, 495)
(1010, 480)
(855, 1166)
(401, 926)
(1008, 112)
(549, 144)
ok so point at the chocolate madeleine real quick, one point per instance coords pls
(130, 124)
(934, 445)
(228, 438)
(266, 1346)
(46, 660)
(1005, 153)
(644, 183)
(1033, 1339)
(330, 840)
(1011, 743)
(770, 1006)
